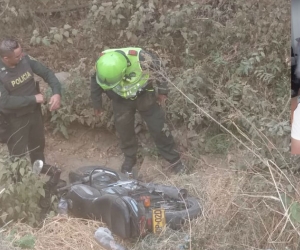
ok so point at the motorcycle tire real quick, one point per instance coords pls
(79, 173)
(175, 219)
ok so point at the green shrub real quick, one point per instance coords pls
(21, 191)
(76, 107)
(228, 59)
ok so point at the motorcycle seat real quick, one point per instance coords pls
(113, 211)
(85, 192)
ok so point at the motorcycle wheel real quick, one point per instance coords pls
(178, 212)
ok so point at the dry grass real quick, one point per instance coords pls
(59, 233)
(241, 210)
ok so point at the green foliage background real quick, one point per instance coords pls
(225, 60)
(20, 192)
(228, 57)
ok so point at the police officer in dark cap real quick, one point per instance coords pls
(20, 100)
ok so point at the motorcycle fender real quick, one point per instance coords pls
(137, 213)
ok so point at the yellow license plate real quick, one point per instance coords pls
(158, 220)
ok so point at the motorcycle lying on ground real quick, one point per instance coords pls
(129, 208)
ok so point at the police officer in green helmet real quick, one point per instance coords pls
(127, 76)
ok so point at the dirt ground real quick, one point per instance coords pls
(100, 147)
(84, 147)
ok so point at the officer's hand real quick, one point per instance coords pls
(161, 99)
(54, 102)
(39, 98)
(98, 112)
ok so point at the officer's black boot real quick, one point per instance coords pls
(128, 164)
(53, 172)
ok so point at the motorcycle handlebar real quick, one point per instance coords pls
(82, 181)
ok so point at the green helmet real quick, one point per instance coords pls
(110, 69)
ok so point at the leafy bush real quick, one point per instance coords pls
(21, 191)
(222, 56)
(56, 35)
(76, 107)
(234, 70)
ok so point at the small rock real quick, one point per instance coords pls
(62, 77)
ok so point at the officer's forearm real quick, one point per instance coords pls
(53, 82)
(96, 93)
(48, 76)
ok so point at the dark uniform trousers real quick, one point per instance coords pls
(27, 130)
(152, 113)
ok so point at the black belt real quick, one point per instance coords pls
(23, 112)
(141, 92)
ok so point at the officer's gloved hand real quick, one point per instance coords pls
(161, 99)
